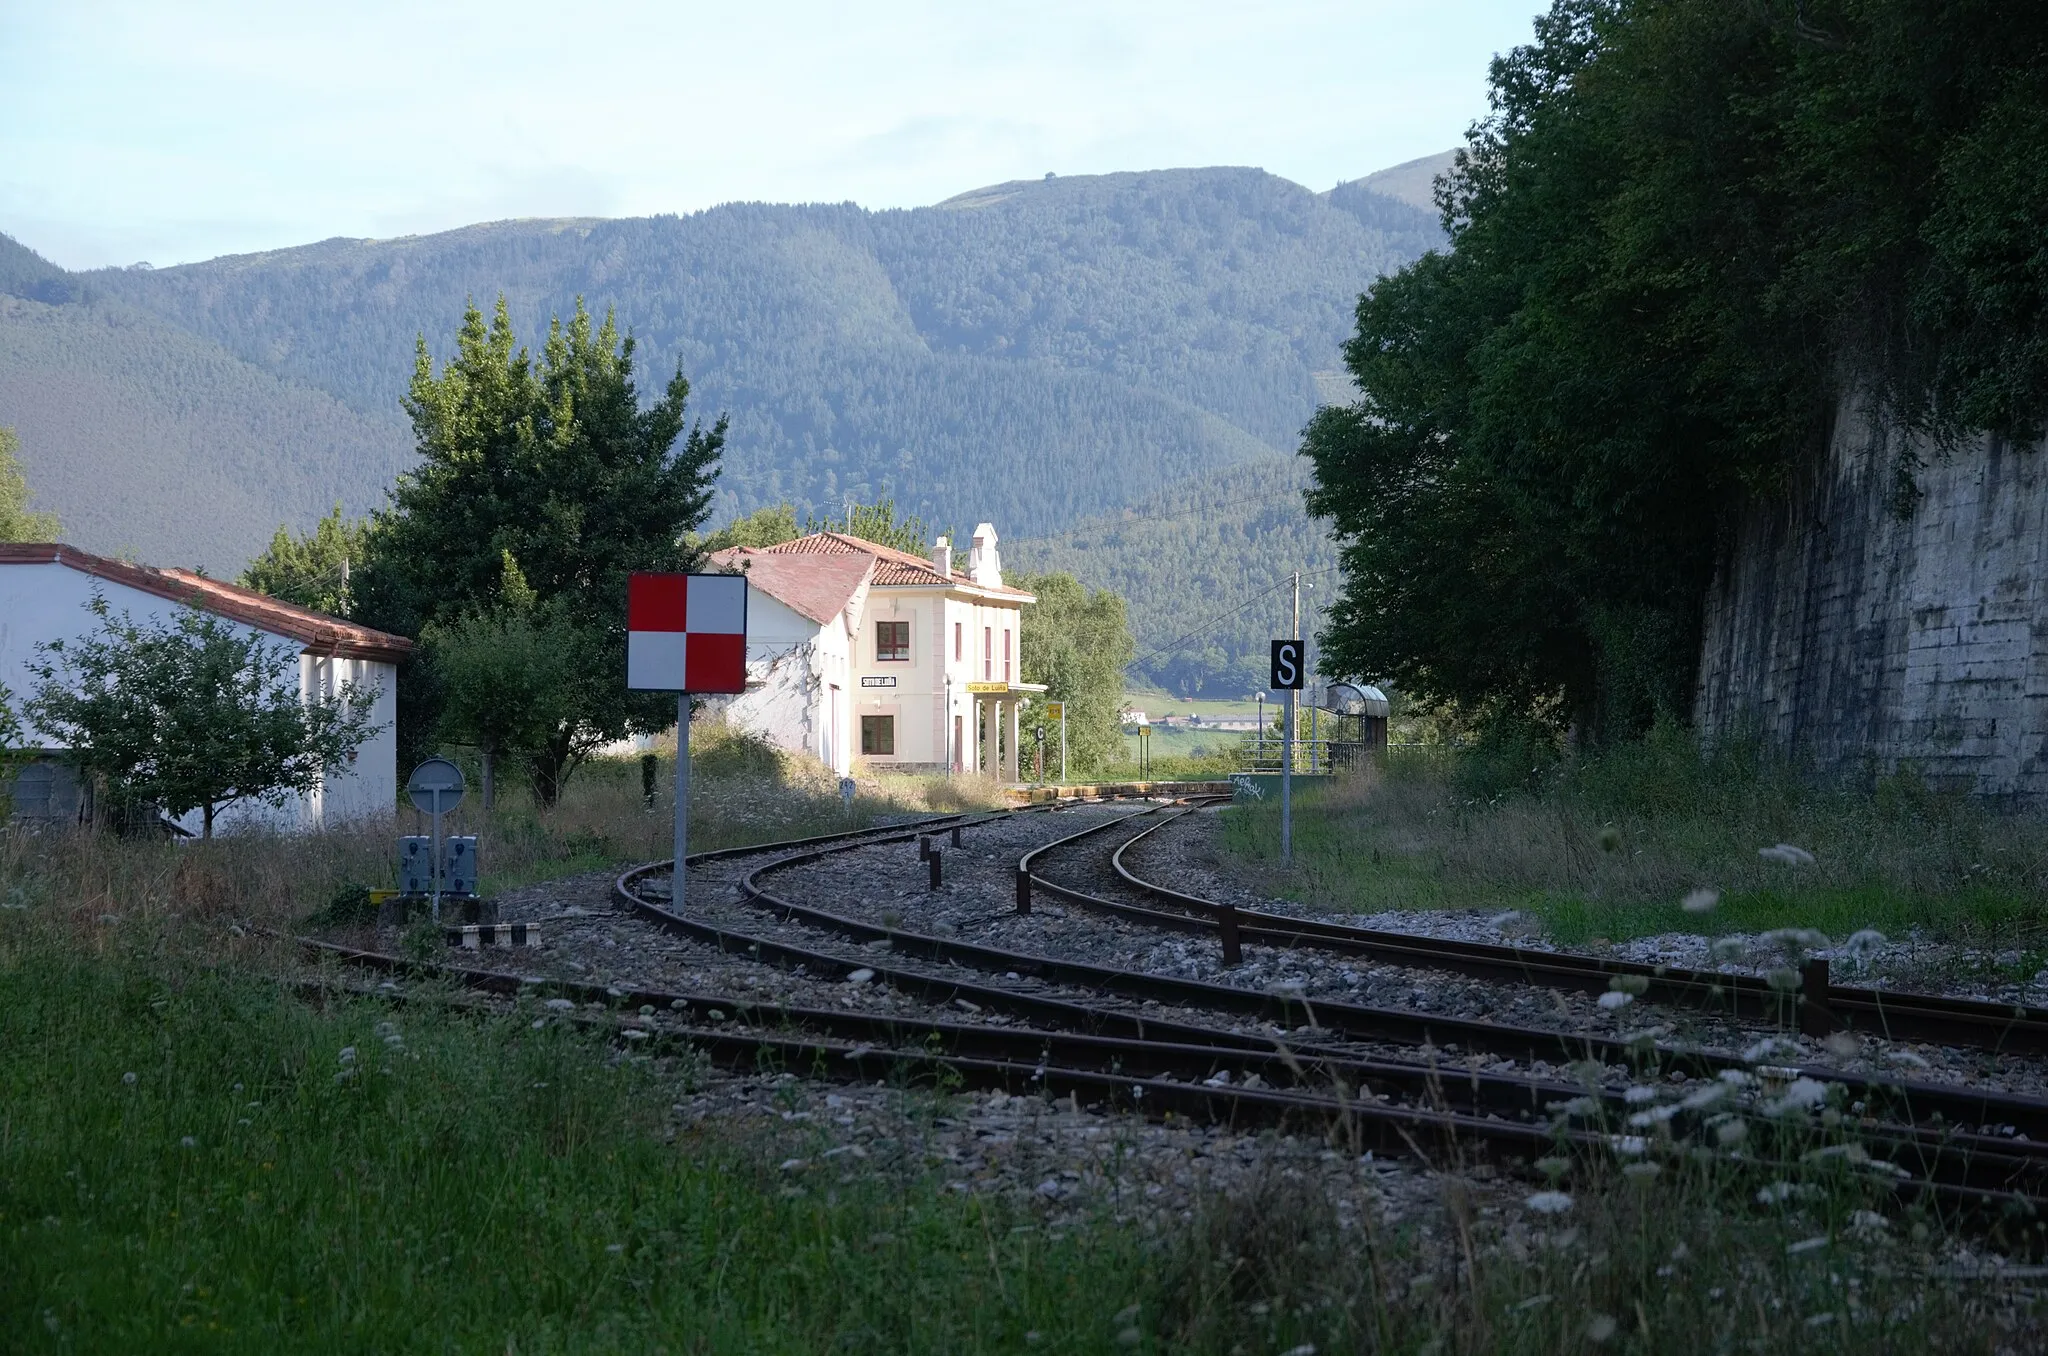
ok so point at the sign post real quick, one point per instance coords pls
(1286, 677)
(436, 786)
(685, 633)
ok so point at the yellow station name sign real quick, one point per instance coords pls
(988, 687)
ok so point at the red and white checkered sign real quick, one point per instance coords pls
(686, 632)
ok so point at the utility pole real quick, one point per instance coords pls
(1287, 750)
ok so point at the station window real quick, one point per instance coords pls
(957, 653)
(892, 642)
(1006, 655)
(878, 736)
(988, 652)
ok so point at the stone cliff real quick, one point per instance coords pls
(1860, 639)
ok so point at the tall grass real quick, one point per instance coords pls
(1607, 846)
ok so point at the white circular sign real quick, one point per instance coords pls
(436, 786)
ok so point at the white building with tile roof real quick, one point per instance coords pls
(856, 650)
(44, 589)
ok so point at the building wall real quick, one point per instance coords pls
(1859, 640)
(919, 701)
(803, 673)
(44, 602)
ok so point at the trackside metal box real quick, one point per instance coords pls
(416, 865)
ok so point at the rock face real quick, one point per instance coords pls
(1861, 638)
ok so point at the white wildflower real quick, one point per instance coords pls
(1908, 1059)
(1639, 1094)
(1577, 1106)
(1783, 978)
(1806, 1245)
(1843, 1045)
(1629, 1146)
(1635, 984)
(1706, 1095)
(1777, 1193)
(348, 1054)
(1655, 1116)
(1731, 1133)
(189, 1142)
(1701, 900)
(1641, 1172)
(1868, 1222)
(1614, 1000)
(129, 1079)
(1501, 920)
(1549, 1202)
(1737, 1078)
(1729, 948)
(1803, 1095)
(1600, 1327)
(1862, 943)
(1768, 1048)
(1788, 854)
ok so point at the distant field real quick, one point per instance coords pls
(1157, 704)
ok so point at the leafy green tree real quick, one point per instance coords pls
(1077, 642)
(554, 462)
(17, 523)
(191, 713)
(313, 569)
(1686, 235)
(769, 526)
(508, 675)
(878, 523)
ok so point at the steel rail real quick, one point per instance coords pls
(1818, 1008)
(1157, 1078)
(2003, 1116)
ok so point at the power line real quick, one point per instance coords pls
(1219, 619)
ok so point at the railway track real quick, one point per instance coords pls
(1816, 1006)
(1963, 1147)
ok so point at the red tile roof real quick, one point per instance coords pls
(815, 586)
(892, 567)
(317, 631)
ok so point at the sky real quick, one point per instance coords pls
(180, 130)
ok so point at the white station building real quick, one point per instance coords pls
(860, 650)
(44, 590)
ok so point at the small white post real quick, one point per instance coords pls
(1063, 743)
(682, 798)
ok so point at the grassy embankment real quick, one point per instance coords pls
(1608, 847)
(192, 1158)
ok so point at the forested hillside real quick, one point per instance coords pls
(1202, 563)
(1028, 353)
(1037, 354)
(146, 439)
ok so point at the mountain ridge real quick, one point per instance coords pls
(1038, 353)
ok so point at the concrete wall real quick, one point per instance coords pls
(44, 602)
(1861, 641)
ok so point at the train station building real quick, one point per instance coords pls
(857, 650)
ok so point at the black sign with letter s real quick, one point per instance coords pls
(1287, 664)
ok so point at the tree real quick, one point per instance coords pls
(17, 523)
(1077, 642)
(769, 526)
(554, 462)
(314, 569)
(508, 675)
(878, 523)
(192, 713)
(1688, 232)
